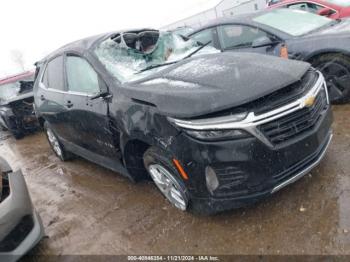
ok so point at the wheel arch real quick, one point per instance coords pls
(132, 151)
(133, 148)
(314, 55)
(41, 121)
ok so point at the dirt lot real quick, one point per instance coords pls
(87, 209)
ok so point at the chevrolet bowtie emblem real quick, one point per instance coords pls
(310, 101)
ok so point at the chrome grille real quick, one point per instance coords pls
(297, 123)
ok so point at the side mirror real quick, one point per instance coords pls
(263, 41)
(325, 12)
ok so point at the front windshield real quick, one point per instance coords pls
(344, 3)
(124, 57)
(293, 22)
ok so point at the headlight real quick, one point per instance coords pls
(214, 129)
(215, 135)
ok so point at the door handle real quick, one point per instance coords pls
(69, 104)
(42, 98)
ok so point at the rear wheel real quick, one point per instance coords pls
(56, 145)
(336, 70)
(166, 177)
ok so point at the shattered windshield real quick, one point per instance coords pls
(293, 22)
(133, 55)
(11, 90)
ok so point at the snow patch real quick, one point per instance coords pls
(199, 67)
(175, 83)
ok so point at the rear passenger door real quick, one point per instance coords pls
(86, 116)
(50, 95)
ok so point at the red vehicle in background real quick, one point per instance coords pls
(334, 9)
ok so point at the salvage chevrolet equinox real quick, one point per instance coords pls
(214, 131)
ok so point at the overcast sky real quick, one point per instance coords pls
(37, 27)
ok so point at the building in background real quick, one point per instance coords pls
(217, 9)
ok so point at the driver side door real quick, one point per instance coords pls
(87, 114)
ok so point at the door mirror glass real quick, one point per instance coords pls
(81, 77)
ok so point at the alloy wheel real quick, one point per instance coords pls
(168, 186)
(338, 78)
(54, 142)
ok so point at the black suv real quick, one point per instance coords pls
(214, 131)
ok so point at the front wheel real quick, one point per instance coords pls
(166, 177)
(336, 70)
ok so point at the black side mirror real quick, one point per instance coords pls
(263, 41)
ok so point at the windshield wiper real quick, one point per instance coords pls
(155, 66)
(197, 50)
(173, 62)
(248, 44)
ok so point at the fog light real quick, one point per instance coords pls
(211, 179)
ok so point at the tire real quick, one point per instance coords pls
(18, 134)
(56, 145)
(166, 177)
(336, 70)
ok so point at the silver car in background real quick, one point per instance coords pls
(20, 225)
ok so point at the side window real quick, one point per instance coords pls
(81, 77)
(45, 79)
(53, 75)
(309, 7)
(204, 36)
(237, 36)
(298, 6)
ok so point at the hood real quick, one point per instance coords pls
(211, 83)
(17, 98)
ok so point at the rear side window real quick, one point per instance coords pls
(81, 77)
(53, 76)
(309, 7)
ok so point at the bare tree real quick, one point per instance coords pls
(18, 58)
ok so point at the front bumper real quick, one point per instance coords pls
(253, 169)
(20, 225)
(17, 123)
